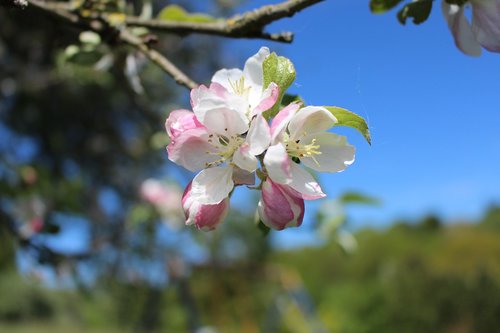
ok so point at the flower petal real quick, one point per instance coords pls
(280, 206)
(311, 119)
(267, 100)
(244, 159)
(278, 164)
(204, 217)
(259, 135)
(486, 23)
(179, 121)
(192, 150)
(220, 113)
(254, 75)
(304, 183)
(280, 122)
(227, 78)
(336, 153)
(460, 29)
(212, 185)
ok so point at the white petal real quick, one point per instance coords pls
(227, 77)
(254, 76)
(336, 153)
(244, 159)
(304, 183)
(460, 29)
(259, 135)
(311, 119)
(220, 113)
(212, 185)
(486, 23)
(278, 164)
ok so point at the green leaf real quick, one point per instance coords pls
(179, 14)
(381, 6)
(350, 119)
(279, 70)
(418, 10)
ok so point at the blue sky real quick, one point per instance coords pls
(434, 113)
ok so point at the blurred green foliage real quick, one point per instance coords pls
(424, 276)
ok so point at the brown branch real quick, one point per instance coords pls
(247, 25)
(158, 59)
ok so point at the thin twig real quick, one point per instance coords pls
(158, 59)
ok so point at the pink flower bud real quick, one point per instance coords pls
(280, 206)
(180, 121)
(204, 217)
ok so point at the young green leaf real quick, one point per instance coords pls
(350, 119)
(177, 13)
(279, 70)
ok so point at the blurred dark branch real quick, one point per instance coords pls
(44, 254)
(158, 59)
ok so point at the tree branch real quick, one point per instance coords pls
(247, 25)
(158, 59)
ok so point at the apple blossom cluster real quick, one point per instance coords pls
(238, 130)
(484, 30)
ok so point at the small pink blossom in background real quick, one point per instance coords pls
(483, 31)
(31, 212)
(166, 198)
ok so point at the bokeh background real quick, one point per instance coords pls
(407, 241)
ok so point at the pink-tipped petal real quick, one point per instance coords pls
(179, 121)
(212, 185)
(192, 150)
(460, 29)
(278, 164)
(204, 217)
(268, 99)
(280, 207)
(280, 122)
(304, 183)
